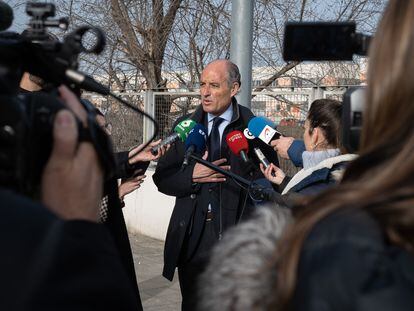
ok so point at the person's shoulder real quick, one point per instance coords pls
(18, 209)
(245, 112)
(350, 226)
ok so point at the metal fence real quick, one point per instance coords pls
(287, 107)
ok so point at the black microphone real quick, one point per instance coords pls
(6, 16)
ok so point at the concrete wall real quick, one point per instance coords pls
(148, 211)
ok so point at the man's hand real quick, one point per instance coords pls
(146, 155)
(282, 145)
(271, 170)
(203, 174)
(129, 185)
(72, 181)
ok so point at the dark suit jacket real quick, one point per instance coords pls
(51, 264)
(189, 214)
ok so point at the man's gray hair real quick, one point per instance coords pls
(241, 274)
(232, 69)
(234, 73)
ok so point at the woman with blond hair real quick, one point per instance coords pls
(350, 248)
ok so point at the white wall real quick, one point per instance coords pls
(148, 211)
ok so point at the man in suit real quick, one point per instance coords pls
(207, 203)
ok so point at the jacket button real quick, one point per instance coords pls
(182, 223)
(193, 196)
(210, 190)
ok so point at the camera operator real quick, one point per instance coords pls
(55, 254)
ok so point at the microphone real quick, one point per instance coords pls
(6, 16)
(264, 129)
(196, 142)
(181, 130)
(238, 144)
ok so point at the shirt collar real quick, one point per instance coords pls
(226, 115)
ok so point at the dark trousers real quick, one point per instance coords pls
(190, 271)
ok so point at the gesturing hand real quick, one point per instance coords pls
(203, 174)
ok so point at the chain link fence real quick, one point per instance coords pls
(125, 124)
(287, 108)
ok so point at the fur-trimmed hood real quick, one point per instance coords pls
(241, 274)
(334, 166)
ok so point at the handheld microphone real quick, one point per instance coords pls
(196, 142)
(181, 131)
(264, 129)
(6, 16)
(238, 144)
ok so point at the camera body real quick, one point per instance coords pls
(331, 41)
(26, 119)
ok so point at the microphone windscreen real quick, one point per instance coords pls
(6, 16)
(257, 124)
(197, 138)
(237, 142)
(184, 127)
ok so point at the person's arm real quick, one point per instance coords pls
(126, 170)
(128, 162)
(295, 152)
(289, 148)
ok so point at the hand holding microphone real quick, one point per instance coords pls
(181, 132)
(273, 173)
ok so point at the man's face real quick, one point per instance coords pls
(214, 88)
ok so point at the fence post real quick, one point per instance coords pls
(149, 107)
(316, 93)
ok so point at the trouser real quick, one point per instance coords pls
(190, 271)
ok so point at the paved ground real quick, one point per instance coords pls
(157, 293)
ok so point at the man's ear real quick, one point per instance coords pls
(235, 88)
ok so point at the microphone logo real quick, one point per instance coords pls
(186, 123)
(267, 134)
(235, 136)
(248, 134)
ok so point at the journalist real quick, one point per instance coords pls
(324, 159)
(55, 254)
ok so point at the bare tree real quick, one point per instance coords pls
(152, 43)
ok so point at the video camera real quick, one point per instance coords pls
(331, 41)
(26, 119)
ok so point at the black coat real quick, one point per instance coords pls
(348, 264)
(51, 264)
(189, 214)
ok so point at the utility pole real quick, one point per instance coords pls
(241, 46)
